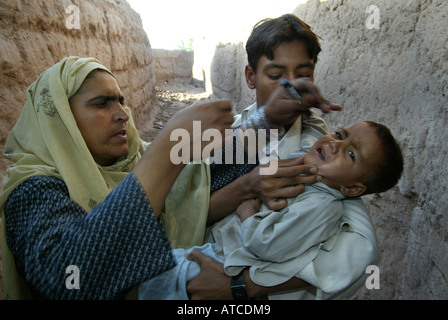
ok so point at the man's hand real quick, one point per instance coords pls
(282, 109)
(287, 182)
(212, 283)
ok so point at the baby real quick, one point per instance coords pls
(361, 159)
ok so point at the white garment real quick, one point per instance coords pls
(337, 269)
(277, 245)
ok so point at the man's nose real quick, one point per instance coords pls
(290, 76)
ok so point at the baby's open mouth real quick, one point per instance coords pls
(321, 153)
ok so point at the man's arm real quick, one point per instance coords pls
(213, 284)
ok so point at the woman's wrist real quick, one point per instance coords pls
(156, 172)
(258, 120)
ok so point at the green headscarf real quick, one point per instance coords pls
(47, 142)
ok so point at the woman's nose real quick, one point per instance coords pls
(120, 113)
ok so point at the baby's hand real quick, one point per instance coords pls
(248, 208)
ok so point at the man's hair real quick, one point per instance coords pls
(269, 33)
(389, 170)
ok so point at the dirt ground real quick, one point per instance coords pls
(171, 97)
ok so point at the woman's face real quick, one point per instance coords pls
(99, 114)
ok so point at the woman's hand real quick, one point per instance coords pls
(282, 109)
(191, 122)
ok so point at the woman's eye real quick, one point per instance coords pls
(100, 104)
(338, 135)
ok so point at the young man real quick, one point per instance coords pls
(276, 245)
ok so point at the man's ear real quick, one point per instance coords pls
(355, 190)
(250, 77)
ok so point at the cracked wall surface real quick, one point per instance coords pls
(397, 75)
(172, 64)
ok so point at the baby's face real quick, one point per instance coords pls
(346, 156)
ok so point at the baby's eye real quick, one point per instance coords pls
(352, 155)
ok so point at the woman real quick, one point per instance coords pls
(83, 193)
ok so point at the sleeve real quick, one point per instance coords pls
(339, 269)
(279, 236)
(114, 247)
(313, 128)
(314, 125)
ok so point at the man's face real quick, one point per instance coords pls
(346, 157)
(99, 114)
(290, 61)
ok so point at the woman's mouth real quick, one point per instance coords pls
(121, 133)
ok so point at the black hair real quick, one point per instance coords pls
(390, 169)
(269, 33)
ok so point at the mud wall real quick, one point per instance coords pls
(384, 61)
(173, 64)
